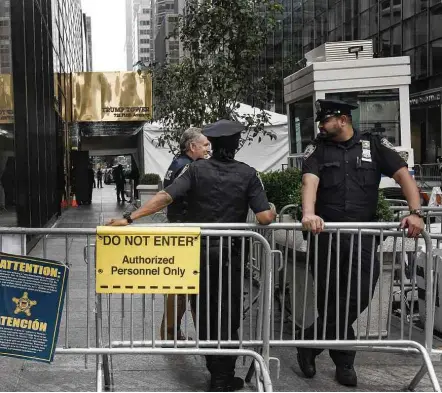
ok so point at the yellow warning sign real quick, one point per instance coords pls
(148, 260)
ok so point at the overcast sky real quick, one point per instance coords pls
(108, 19)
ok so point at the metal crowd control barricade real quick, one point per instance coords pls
(432, 216)
(428, 175)
(121, 328)
(143, 336)
(337, 254)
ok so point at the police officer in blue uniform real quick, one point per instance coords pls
(219, 189)
(341, 174)
(193, 146)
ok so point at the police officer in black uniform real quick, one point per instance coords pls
(341, 174)
(193, 146)
(219, 189)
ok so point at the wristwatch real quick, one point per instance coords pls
(417, 212)
(126, 215)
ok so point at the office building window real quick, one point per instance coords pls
(378, 111)
(146, 11)
(436, 22)
(302, 126)
(144, 23)
(145, 32)
(436, 57)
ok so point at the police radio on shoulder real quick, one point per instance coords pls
(126, 215)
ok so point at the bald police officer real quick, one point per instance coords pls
(341, 174)
(219, 189)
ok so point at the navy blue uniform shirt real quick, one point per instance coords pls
(349, 175)
(219, 191)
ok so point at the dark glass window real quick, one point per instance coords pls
(385, 44)
(409, 33)
(396, 40)
(365, 25)
(421, 29)
(436, 57)
(364, 5)
(409, 9)
(421, 62)
(320, 6)
(302, 126)
(348, 10)
(308, 10)
(396, 11)
(332, 19)
(436, 23)
(378, 111)
(348, 31)
(412, 60)
(385, 14)
(374, 20)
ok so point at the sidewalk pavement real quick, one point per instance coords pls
(376, 371)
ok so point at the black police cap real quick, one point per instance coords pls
(222, 128)
(329, 108)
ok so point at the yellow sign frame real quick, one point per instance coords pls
(137, 260)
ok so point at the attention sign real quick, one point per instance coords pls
(32, 294)
(148, 260)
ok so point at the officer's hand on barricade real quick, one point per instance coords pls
(414, 224)
(313, 223)
(117, 222)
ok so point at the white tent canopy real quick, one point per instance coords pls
(267, 155)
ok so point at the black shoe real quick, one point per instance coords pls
(235, 384)
(346, 375)
(218, 384)
(306, 362)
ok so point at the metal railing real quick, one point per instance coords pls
(428, 175)
(303, 283)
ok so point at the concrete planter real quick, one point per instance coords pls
(147, 191)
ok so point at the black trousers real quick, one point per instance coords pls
(100, 183)
(219, 366)
(120, 191)
(346, 272)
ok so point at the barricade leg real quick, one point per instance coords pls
(420, 374)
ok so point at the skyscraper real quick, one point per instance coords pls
(41, 45)
(397, 27)
(88, 51)
(139, 46)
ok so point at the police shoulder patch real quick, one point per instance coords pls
(385, 142)
(183, 171)
(309, 150)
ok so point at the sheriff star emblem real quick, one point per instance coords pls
(23, 304)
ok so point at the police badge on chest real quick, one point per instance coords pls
(366, 151)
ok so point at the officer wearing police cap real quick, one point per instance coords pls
(341, 174)
(219, 189)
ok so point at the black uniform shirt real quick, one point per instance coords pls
(176, 211)
(349, 175)
(219, 191)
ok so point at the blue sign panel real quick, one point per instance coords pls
(32, 293)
